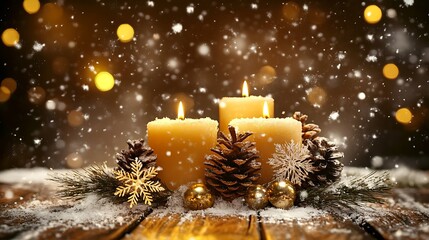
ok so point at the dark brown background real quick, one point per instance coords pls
(142, 68)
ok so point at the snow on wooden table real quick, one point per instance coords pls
(30, 210)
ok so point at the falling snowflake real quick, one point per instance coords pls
(137, 183)
(291, 162)
(408, 2)
(38, 46)
(177, 28)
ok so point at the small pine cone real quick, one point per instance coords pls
(325, 158)
(233, 168)
(309, 130)
(136, 150)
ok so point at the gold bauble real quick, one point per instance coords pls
(198, 197)
(281, 194)
(256, 197)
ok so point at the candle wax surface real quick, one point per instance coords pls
(242, 107)
(181, 146)
(266, 133)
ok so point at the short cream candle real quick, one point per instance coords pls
(242, 107)
(266, 133)
(181, 145)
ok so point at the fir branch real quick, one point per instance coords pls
(96, 179)
(349, 192)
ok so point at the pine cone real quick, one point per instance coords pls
(136, 150)
(309, 130)
(325, 157)
(233, 168)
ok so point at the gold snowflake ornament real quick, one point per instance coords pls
(292, 162)
(138, 183)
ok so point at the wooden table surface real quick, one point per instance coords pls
(405, 216)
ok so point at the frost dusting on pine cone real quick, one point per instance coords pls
(292, 162)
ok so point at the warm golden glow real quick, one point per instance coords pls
(390, 71)
(265, 112)
(372, 14)
(104, 81)
(404, 116)
(181, 112)
(245, 92)
(4, 94)
(10, 37)
(291, 11)
(125, 32)
(31, 6)
(10, 84)
(75, 118)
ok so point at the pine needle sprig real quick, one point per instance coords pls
(349, 192)
(95, 179)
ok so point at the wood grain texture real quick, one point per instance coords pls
(196, 226)
(15, 196)
(323, 227)
(404, 216)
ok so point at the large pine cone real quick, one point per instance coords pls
(136, 150)
(309, 130)
(234, 166)
(325, 158)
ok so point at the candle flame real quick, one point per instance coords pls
(265, 111)
(181, 112)
(245, 92)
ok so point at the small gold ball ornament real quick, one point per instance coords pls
(256, 197)
(281, 194)
(198, 197)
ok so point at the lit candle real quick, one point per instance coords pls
(242, 107)
(181, 145)
(267, 132)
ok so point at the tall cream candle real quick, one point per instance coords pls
(266, 133)
(242, 107)
(181, 145)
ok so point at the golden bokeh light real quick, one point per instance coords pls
(31, 6)
(404, 116)
(36, 95)
(266, 75)
(291, 11)
(316, 96)
(372, 14)
(10, 37)
(10, 84)
(52, 13)
(390, 71)
(125, 33)
(104, 81)
(75, 118)
(4, 94)
(74, 160)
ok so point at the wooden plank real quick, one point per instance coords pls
(12, 196)
(196, 225)
(320, 227)
(399, 222)
(28, 227)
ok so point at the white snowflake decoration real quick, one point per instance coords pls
(137, 183)
(291, 162)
